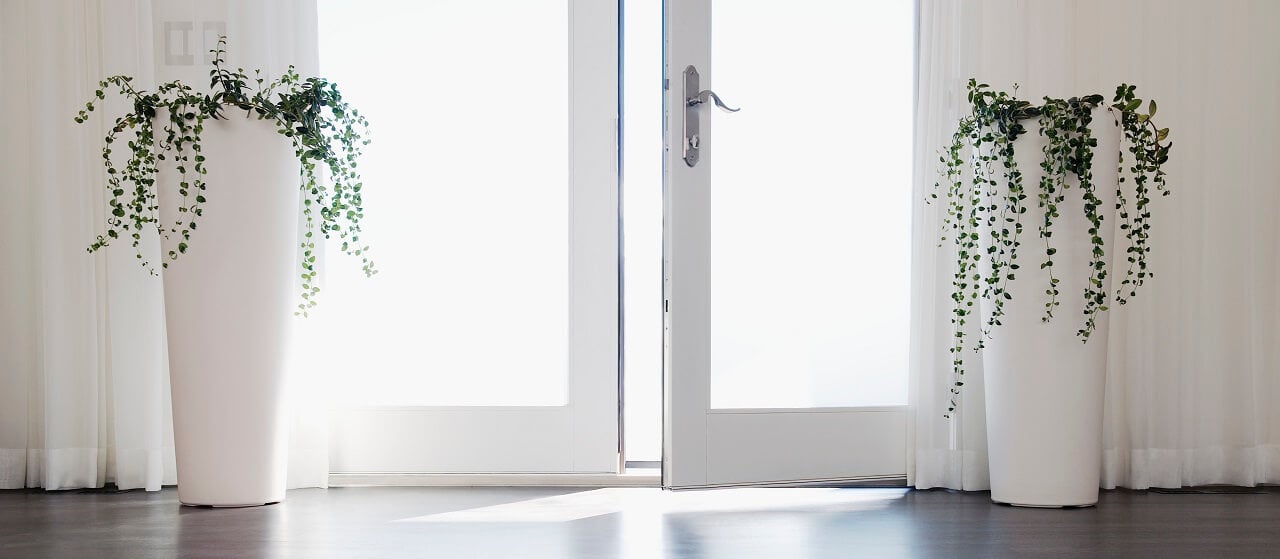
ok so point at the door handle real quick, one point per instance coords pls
(702, 96)
(694, 98)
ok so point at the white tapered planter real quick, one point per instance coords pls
(1044, 388)
(228, 309)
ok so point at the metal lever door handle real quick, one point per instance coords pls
(702, 96)
(693, 97)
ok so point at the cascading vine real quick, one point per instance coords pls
(327, 134)
(991, 198)
(1149, 156)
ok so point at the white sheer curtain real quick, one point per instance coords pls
(84, 395)
(1194, 361)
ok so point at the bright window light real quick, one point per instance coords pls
(811, 203)
(642, 227)
(466, 203)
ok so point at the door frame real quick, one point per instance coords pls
(706, 447)
(582, 436)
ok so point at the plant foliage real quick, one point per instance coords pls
(166, 125)
(984, 190)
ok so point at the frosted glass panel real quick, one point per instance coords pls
(811, 212)
(467, 200)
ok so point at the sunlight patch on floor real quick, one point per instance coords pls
(658, 503)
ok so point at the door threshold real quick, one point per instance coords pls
(632, 478)
(871, 482)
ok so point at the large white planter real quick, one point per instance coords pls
(1044, 388)
(228, 309)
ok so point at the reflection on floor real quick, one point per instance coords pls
(635, 523)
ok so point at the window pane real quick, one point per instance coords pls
(811, 186)
(467, 203)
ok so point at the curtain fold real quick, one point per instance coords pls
(84, 394)
(947, 453)
(1194, 360)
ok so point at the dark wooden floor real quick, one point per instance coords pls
(535, 523)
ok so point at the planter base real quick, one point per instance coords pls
(245, 506)
(228, 314)
(1044, 388)
(1027, 506)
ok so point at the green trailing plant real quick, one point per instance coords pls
(165, 127)
(985, 193)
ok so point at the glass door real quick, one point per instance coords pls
(787, 240)
(488, 341)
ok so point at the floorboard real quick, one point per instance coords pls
(641, 523)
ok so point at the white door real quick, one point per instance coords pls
(787, 240)
(488, 342)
